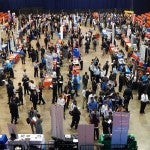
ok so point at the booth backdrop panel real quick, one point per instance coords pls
(86, 135)
(58, 5)
(57, 117)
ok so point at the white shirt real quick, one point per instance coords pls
(144, 98)
(83, 93)
(72, 106)
(32, 86)
(61, 101)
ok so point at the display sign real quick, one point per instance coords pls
(120, 128)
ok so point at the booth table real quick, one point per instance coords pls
(76, 69)
(3, 140)
(47, 81)
(14, 58)
(106, 140)
(25, 140)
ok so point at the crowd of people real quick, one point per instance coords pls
(100, 86)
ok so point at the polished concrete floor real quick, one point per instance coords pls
(139, 124)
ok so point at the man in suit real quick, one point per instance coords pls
(60, 83)
(85, 79)
(13, 110)
(127, 96)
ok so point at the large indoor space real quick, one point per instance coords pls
(74, 75)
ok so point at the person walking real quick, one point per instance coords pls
(25, 81)
(38, 125)
(106, 67)
(40, 94)
(75, 117)
(32, 114)
(13, 111)
(20, 93)
(85, 79)
(34, 99)
(94, 120)
(144, 101)
(127, 96)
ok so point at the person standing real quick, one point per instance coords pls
(81, 62)
(38, 125)
(40, 94)
(25, 81)
(127, 96)
(85, 79)
(144, 101)
(20, 93)
(36, 65)
(34, 99)
(106, 67)
(60, 83)
(10, 91)
(75, 85)
(55, 87)
(94, 120)
(121, 81)
(13, 111)
(31, 115)
(75, 117)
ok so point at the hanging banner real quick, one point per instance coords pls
(120, 128)
(57, 118)
(86, 136)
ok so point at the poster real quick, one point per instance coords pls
(86, 136)
(120, 128)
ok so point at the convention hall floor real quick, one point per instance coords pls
(139, 124)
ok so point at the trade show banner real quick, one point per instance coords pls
(86, 136)
(57, 118)
(120, 128)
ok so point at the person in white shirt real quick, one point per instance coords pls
(84, 97)
(144, 101)
(73, 104)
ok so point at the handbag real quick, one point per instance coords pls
(70, 112)
(28, 120)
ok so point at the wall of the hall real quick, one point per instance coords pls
(58, 5)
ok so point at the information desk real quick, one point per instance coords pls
(25, 140)
(47, 81)
(14, 58)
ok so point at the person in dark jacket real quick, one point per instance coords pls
(40, 94)
(75, 117)
(106, 67)
(34, 99)
(94, 120)
(13, 111)
(20, 93)
(85, 79)
(55, 87)
(25, 81)
(10, 91)
(121, 81)
(127, 96)
(60, 83)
